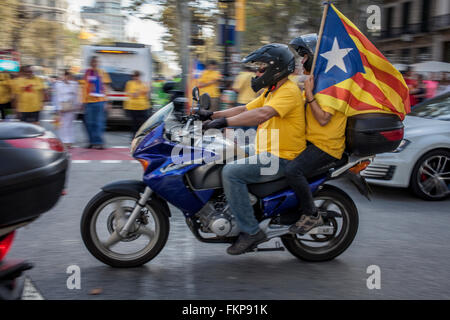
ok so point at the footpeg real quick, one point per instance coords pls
(278, 247)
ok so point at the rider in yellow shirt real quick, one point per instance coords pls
(28, 95)
(137, 105)
(279, 114)
(209, 83)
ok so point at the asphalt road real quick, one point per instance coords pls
(407, 238)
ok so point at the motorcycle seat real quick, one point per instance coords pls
(262, 190)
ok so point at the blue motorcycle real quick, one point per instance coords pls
(127, 223)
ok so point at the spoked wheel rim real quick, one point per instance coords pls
(314, 244)
(433, 176)
(111, 216)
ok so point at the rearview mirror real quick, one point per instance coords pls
(205, 101)
(196, 94)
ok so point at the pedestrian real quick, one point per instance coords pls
(5, 93)
(243, 87)
(411, 82)
(444, 83)
(420, 91)
(137, 105)
(209, 83)
(431, 85)
(28, 95)
(95, 88)
(66, 99)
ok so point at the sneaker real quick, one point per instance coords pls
(306, 223)
(246, 242)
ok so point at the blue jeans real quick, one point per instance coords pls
(95, 121)
(236, 176)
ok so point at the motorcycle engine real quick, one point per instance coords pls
(216, 218)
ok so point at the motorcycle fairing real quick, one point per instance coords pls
(168, 179)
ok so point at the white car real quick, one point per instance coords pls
(422, 161)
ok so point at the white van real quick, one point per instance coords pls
(120, 61)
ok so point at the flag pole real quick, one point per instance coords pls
(322, 25)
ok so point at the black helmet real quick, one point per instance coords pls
(276, 59)
(305, 45)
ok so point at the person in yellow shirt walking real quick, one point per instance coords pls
(209, 83)
(137, 105)
(95, 89)
(243, 87)
(28, 95)
(5, 93)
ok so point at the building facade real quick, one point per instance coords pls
(50, 10)
(415, 30)
(109, 14)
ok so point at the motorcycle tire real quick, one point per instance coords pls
(160, 214)
(314, 254)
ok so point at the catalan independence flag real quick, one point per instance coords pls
(352, 76)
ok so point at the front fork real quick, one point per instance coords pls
(137, 209)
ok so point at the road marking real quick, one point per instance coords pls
(30, 292)
(104, 161)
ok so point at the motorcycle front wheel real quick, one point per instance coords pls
(317, 248)
(104, 217)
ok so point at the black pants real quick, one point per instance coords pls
(3, 108)
(298, 170)
(138, 117)
(31, 117)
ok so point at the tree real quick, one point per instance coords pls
(178, 17)
(279, 21)
(8, 13)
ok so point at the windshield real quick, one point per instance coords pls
(438, 109)
(155, 120)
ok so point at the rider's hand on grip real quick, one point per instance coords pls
(204, 114)
(215, 124)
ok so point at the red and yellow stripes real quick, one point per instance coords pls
(380, 89)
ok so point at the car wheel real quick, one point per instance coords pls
(430, 179)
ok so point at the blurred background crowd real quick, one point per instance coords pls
(188, 43)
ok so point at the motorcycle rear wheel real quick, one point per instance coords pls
(327, 249)
(105, 254)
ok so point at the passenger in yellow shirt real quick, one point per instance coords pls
(209, 83)
(243, 87)
(5, 93)
(325, 135)
(279, 114)
(28, 95)
(137, 105)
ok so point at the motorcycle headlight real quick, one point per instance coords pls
(402, 146)
(134, 144)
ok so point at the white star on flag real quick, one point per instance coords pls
(336, 56)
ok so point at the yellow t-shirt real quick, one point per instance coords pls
(290, 140)
(28, 92)
(139, 103)
(243, 85)
(329, 138)
(5, 88)
(88, 98)
(213, 89)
